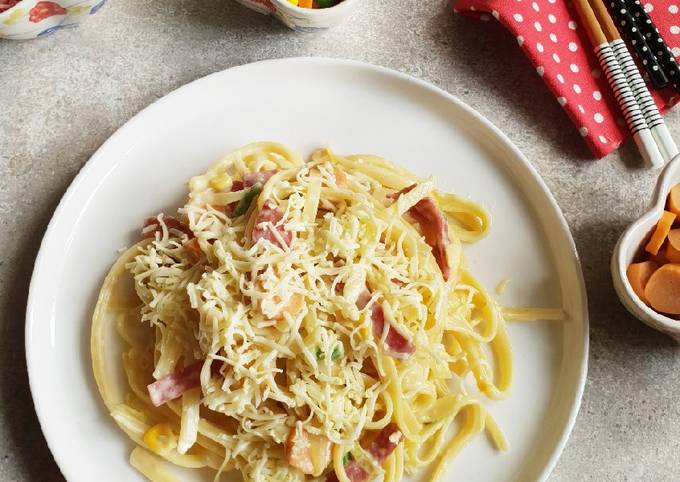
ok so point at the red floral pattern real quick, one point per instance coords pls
(43, 10)
(7, 4)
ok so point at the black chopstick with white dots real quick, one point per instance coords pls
(629, 26)
(656, 43)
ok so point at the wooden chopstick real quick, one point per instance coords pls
(623, 93)
(655, 121)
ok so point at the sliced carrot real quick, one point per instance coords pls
(305, 3)
(674, 199)
(638, 275)
(663, 289)
(659, 258)
(672, 254)
(674, 238)
(663, 227)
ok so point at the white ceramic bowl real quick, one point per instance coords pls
(629, 244)
(303, 19)
(36, 18)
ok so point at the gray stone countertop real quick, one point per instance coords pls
(62, 96)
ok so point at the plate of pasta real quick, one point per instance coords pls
(386, 291)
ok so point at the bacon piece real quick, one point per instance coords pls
(175, 384)
(235, 186)
(433, 226)
(270, 214)
(252, 178)
(172, 386)
(354, 471)
(193, 249)
(170, 222)
(380, 448)
(363, 299)
(384, 444)
(398, 345)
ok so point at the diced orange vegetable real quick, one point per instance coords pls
(663, 227)
(639, 274)
(663, 289)
(309, 453)
(674, 199)
(305, 3)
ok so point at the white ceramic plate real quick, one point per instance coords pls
(305, 103)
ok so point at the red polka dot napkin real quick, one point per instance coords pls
(548, 32)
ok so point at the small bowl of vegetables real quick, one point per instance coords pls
(28, 19)
(646, 262)
(304, 15)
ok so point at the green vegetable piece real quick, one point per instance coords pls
(326, 3)
(247, 200)
(319, 354)
(346, 458)
(337, 352)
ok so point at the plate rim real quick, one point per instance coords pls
(554, 208)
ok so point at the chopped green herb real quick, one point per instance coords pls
(247, 200)
(337, 352)
(319, 354)
(347, 457)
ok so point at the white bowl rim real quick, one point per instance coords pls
(338, 9)
(619, 263)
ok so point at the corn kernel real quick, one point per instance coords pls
(220, 183)
(294, 2)
(160, 438)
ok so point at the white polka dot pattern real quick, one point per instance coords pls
(549, 33)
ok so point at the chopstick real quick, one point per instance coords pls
(655, 41)
(649, 109)
(642, 48)
(655, 121)
(623, 93)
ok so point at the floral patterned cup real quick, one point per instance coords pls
(35, 18)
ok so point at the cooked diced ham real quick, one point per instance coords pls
(354, 471)
(193, 249)
(235, 186)
(152, 226)
(398, 345)
(384, 444)
(309, 453)
(380, 448)
(252, 178)
(172, 386)
(267, 220)
(433, 226)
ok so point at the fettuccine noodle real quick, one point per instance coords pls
(300, 321)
